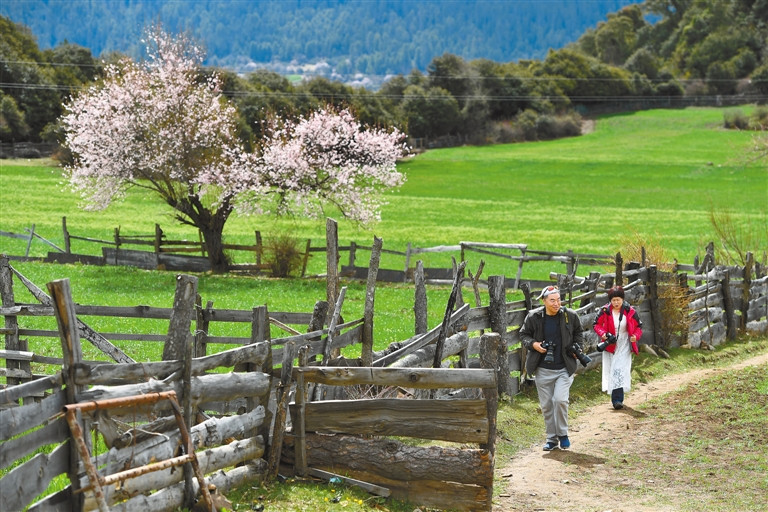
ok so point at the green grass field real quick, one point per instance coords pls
(656, 175)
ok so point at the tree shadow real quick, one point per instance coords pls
(582, 460)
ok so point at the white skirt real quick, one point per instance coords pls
(617, 367)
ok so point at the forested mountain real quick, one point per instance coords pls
(662, 53)
(371, 37)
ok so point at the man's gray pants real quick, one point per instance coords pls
(554, 388)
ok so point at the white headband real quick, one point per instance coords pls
(548, 291)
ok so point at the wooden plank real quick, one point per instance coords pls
(23, 483)
(105, 373)
(515, 247)
(420, 341)
(206, 388)
(145, 444)
(56, 502)
(422, 378)
(211, 459)
(462, 421)
(170, 498)
(15, 374)
(20, 419)
(16, 355)
(14, 449)
(425, 356)
(12, 394)
(391, 459)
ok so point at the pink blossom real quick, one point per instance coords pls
(159, 126)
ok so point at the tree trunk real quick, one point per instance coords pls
(214, 246)
(210, 223)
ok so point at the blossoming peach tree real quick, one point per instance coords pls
(160, 126)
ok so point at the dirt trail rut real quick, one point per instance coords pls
(577, 479)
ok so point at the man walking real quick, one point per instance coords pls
(548, 333)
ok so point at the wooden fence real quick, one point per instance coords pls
(96, 381)
(719, 302)
(190, 255)
(360, 447)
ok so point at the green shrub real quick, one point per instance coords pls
(283, 255)
(735, 120)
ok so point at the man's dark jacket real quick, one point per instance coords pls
(533, 330)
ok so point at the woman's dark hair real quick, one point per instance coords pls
(616, 291)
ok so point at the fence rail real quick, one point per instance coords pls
(190, 255)
(448, 361)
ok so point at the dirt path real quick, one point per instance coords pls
(574, 479)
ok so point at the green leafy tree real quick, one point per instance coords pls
(27, 79)
(616, 39)
(12, 124)
(430, 113)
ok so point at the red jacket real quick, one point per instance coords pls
(604, 323)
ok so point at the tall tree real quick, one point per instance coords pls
(160, 126)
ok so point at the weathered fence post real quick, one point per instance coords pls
(64, 308)
(158, 238)
(682, 283)
(201, 326)
(526, 289)
(260, 333)
(352, 253)
(407, 262)
(178, 346)
(497, 311)
(420, 300)
(653, 298)
(458, 274)
(260, 251)
(181, 317)
(305, 260)
(370, 293)
(745, 286)
(489, 351)
(519, 274)
(619, 266)
(571, 263)
(331, 262)
(730, 312)
(67, 243)
(437, 362)
(696, 283)
(328, 350)
(12, 341)
(282, 392)
(300, 420)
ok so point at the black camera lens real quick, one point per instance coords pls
(550, 356)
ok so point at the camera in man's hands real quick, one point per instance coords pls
(575, 351)
(550, 348)
(609, 338)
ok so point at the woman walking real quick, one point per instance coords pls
(619, 328)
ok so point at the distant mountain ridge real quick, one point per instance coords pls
(347, 38)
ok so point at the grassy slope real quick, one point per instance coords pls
(647, 172)
(658, 173)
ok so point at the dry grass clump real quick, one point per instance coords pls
(673, 298)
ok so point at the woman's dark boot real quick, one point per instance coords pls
(617, 398)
